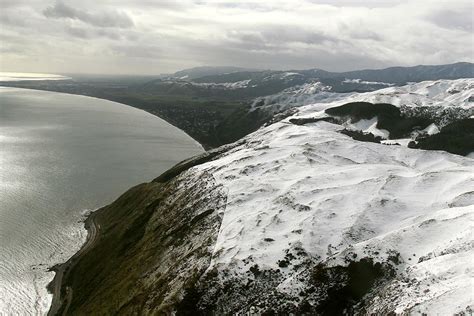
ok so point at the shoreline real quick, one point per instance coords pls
(56, 286)
(61, 294)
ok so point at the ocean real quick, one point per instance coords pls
(62, 156)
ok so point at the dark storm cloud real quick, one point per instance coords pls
(110, 18)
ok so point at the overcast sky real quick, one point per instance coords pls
(151, 37)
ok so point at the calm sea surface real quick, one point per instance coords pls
(60, 156)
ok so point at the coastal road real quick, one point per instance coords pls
(63, 269)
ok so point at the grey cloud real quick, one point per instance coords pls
(9, 50)
(450, 19)
(13, 44)
(206, 53)
(108, 33)
(110, 18)
(5, 4)
(249, 6)
(84, 33)
(359, 3)
(357, 32)
(278, 37)
(9, 19)
(255, 34)
(142, 51)
(78, 32)
(293, 34)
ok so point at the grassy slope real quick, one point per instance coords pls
(154, 243)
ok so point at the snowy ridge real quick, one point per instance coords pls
(367, 82)
(295, 97)
(438, 97)
(444, 93)
(310, 190)
(225, 85)
(441, 93)
(210, 85)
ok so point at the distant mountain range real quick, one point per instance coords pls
(198, 72)
(402, 75)
(394, 75)
(239, 83)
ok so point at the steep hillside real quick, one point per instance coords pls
(154, 242)
(297, 217)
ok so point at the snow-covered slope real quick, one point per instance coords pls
(443, 101)
(297, 96)
(442, 93)
(296, 218)
(302, 195)
(431, 93)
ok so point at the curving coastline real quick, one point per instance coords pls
(146, 200)
(62, 295)
(90, 170)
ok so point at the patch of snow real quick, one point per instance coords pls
(290, 74)
(431, 129)
(297, 96)
(360, 81)
(368, 126)
(401, 141)
(236, 85)
(225, 85)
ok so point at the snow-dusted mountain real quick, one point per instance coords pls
(441, 93)
(301, 217)
(304, 195)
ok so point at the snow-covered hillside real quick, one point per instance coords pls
(304, 195)
(297, 96)
(445, 93)
(300, 218)
(442, 93)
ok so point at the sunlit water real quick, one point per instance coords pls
(61, 155)
(21, 76)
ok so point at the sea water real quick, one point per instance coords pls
(60, 157)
